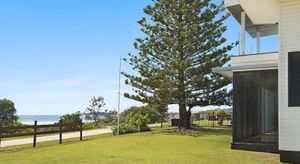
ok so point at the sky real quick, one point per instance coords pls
(56, 54)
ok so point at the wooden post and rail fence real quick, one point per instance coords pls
(37, 131)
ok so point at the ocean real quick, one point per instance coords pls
(41, 119)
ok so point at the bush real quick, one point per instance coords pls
(71, 121)
(108, 117)
(221, 114)
(129, 128)
(7, 112)
(17, 124)
(89, 126)
(153, 115)
(131, 121)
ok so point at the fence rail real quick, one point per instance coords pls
(212, 123)
(36, 131)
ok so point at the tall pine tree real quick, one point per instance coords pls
(183, 42)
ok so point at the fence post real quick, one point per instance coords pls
(213, 119)
(0, 132)
(81, 129)
(34, 133)
(60, 132)
(208, 120)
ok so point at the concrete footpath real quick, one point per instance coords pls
(54, 137)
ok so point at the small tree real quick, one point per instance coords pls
(162, 110)
(134, 119)
(7, 112)
(149, 110)
(93, 111)
(71, 121)
(138, 120)
(221, 116)
(109, 116)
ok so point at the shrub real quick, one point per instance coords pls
(7, 112)
(221, 114)
(88, 126)
(132, 120)
(153, 115)
(108, 117)
(71, 121)
(17, 124)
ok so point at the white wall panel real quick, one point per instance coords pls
(289, 35)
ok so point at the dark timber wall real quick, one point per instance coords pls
(249, 102)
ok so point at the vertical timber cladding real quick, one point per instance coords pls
(251, 102)
(294, 79)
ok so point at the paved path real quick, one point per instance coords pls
(54, 137)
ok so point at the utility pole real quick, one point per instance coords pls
(119, 94)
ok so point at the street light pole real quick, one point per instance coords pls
(119, 94)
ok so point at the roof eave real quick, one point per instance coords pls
(228, 71)
(264, 29)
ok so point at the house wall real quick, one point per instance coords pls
(289, 34)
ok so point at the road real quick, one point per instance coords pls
(54, 137)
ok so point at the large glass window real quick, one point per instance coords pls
(256, 106)
(294, 79)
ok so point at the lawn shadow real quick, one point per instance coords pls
(42, 145)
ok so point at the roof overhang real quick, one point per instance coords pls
(228, 71)
(255, 62)
(262, 11)
(261, 15)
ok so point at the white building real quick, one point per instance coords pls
(266, 108)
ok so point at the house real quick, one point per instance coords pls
(266, 86)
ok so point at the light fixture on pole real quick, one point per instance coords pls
(119, 94)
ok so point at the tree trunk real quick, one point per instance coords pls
(184, 117)
(161, 121)
(183, 113)
(188, 117)
(184, 122)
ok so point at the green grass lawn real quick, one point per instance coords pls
(207, 145)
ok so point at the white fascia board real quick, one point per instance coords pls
(228, 71)
(229, 3)
(255, 62)
(263, 58)
(265, 29)
(225, 71)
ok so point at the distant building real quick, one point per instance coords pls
(173, 115)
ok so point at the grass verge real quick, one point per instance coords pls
(167, 145)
